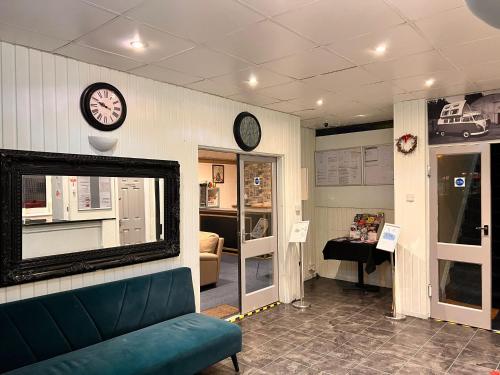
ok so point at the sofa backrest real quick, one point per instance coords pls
(39, 328)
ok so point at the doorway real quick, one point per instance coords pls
(238, 232)
(132, 223)
(460, 240)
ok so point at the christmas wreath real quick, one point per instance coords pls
(407, 143)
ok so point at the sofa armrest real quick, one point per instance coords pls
(209, 257)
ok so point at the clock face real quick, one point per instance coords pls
(247, 131)
(103, 106)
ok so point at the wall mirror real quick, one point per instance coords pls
(64, 214)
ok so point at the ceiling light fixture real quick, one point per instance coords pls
(319, 102)
(137, 44)
(360, 116)
(252, 81)
(430, 82)
(380, 50)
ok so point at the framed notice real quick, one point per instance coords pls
(299, 231)
(389, 238)
(94, 193)
(379, 164)
(339, 167)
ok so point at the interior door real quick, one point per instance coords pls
(460, 234)
(258, 232)
(131, 197)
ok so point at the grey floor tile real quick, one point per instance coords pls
(320, 345)
(296, 338)
(458, 330)
(277, 347)
(362, 370)
(283, 366)
(402, 350)
(377, 333)
(304, 357)
(349, 353)
(459, 368)
(479, 359)
(388, 363)
(334, 367)
(414, 369)
(367, 344)
(433, 362)
(256, 358)
(428, 324)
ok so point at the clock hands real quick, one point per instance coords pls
(104, 105)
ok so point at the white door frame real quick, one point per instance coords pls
(254, 247)
(458, 252)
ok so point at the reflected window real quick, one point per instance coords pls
(34, 192)
(259, 272)
(460, 283)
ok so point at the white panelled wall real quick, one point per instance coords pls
(39, 110)
(410, 173)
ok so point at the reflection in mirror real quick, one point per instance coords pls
(68, 214)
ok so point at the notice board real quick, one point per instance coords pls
(339, 167)
(379, 164)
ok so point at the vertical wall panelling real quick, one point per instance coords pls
(410, 173)
(308, 142)
(40, 101)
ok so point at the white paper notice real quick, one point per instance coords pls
(389, 237)
(105, 192)
(299, 231)
(338, 167)
(379, 165)
(84, 201)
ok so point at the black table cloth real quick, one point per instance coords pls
(357, 252)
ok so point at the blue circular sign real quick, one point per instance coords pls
(459, 181)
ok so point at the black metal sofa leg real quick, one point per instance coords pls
(235, 363)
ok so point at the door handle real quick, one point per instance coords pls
(485, 229)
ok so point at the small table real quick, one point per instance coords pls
(360, 252)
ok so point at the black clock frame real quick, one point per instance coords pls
(87, 111)
(237, 133)
(14, 164)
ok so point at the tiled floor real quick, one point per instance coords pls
(345, 333)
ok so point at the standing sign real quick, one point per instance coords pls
(389, 238)
(299, 232)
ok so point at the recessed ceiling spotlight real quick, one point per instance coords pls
(360, 116)
(380, 50)
(252, 81)
(430, 82)
(138, 44)
(319, 102)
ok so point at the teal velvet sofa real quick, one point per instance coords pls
(142, 325)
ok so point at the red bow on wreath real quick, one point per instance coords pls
(407, 143)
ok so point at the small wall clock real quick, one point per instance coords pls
(247, 131)
(103, 106)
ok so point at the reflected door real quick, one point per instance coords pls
(460, 257)
(258, 232)
(131, 222)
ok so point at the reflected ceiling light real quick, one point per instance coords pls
(360, 116)
(430, 82)
(252, 81)
(138, 44)
(319, 102)
(380, 50)
(486, 10)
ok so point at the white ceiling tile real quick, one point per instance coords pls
(95, 56)
(274, 7)
(118, 6)
(474, 53)
(164, 75)
(28, 38)
(63, 19)
(285, 106)
(313, 123)
(117, 35)
(456, 26)
(240, 78)
(211, 87)
(342, 80)
(252, 98)
(482, 72)
(442, 79)
(309, 63)
(327, 21)
(415, 9)
(203, 62)
(399, 41)
(292, 90)
(198, 20)
(262, 42)
(490, 84)
(422, 63)
(375, 95)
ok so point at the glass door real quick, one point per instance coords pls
(258, 232)
(460, 251)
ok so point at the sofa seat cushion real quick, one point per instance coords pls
(208, 242)
(183, 345)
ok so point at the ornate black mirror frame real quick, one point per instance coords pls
(14, 164)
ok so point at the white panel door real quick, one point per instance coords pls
(131, 198)
(258, 232)
(460, 256)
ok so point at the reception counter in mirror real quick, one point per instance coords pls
(64, 214)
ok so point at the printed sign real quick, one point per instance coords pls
(256, 181)
(299, 231)
(459, 182)
(389, 238)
